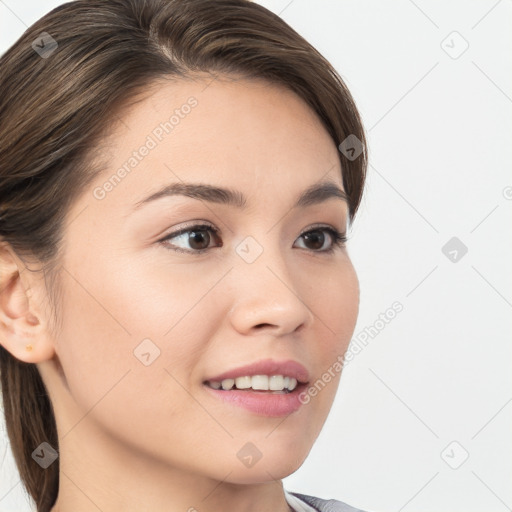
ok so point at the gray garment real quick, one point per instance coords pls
(326, 505)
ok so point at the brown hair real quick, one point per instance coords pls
(61, 85)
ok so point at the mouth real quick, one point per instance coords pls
(266, 388)
(275, 384)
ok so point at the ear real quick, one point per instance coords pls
(23, 328)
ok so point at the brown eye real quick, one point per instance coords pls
(194, 239)
(199, 239)
(315, 239)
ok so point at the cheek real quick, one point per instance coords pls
(93, 346)
(116, 312)
(109, 383)
(333, 298)
(335, 303)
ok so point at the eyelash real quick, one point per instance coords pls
(338, 239)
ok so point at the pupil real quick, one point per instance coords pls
(199, 237)
(317, 237)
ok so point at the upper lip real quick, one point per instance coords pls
(287, 368)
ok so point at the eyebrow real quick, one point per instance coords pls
(315, 194)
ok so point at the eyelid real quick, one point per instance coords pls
(320, 225)
(193, 224)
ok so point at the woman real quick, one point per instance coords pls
(176, 182)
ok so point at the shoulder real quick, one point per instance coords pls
(322, 505)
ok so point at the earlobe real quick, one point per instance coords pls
(22, 329)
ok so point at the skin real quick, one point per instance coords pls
(135, 437)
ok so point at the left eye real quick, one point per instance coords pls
(199, 239)
(318, 239)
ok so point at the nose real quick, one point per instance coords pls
(268, 298)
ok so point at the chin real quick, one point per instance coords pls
(262, 473)
(268, 465)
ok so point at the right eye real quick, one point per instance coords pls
(197, 237)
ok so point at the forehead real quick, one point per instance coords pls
(224, 116)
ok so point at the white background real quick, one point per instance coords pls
(439, 374)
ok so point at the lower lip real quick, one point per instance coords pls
(262, 402)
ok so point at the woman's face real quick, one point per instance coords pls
(150, 326)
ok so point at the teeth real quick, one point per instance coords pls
(257, 382)
(260, 382)
(243, 382)
(293, 384)
(276, 383)
(228, 383)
